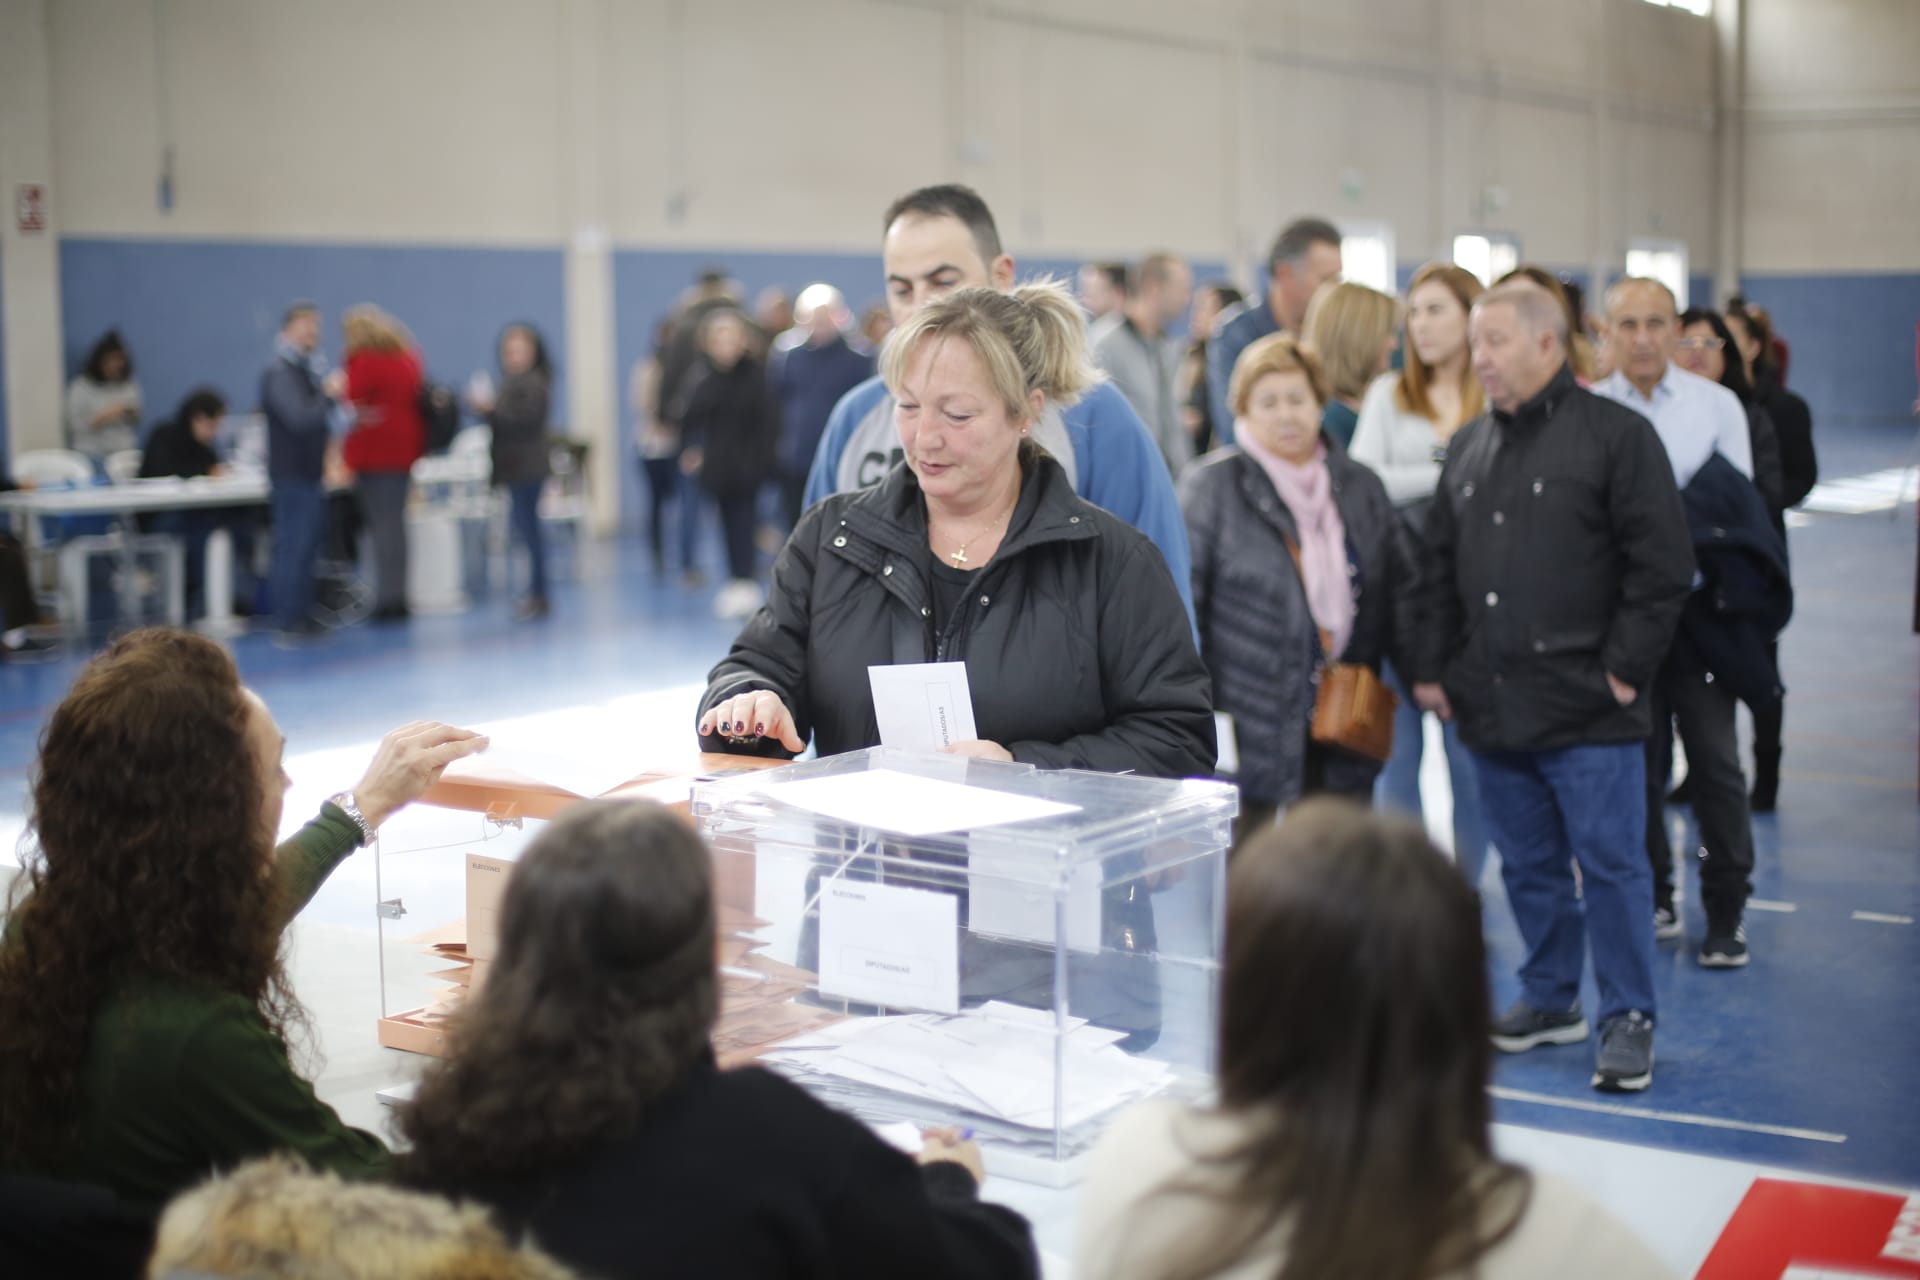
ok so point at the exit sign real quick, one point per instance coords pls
(30, 208)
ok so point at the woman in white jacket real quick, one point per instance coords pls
(1405, 423)
(1363, 1147)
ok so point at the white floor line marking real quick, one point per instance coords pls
(1768, 904)
(1881, 917)
(1671, 1117)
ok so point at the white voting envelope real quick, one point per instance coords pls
(890, 945)
(1004, 905)
(922, 706)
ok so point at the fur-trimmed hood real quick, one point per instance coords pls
(274, 1219)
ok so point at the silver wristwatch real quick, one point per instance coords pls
(351, 807)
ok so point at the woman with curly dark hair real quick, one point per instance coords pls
(581, 1101)
(144, 1012)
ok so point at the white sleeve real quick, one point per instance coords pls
(1406, 474)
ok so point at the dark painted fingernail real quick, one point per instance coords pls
(726, 726)
(760, 728)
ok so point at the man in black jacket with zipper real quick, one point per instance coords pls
(1557, 563)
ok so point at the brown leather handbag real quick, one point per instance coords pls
(1353, 708)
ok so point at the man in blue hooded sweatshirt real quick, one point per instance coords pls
(943, 238)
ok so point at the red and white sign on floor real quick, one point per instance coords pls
(30, 207)
(1800, 1231)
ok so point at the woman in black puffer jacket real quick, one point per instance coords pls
(975, 549)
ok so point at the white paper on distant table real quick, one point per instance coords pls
(890, 945)
(922, 706)
(911, 805)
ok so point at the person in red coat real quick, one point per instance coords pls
(383, 383)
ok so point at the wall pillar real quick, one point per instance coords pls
(1730, 142)
(29, 260)
(593, 398)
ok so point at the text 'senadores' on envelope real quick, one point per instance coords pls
(922, 706)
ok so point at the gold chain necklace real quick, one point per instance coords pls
(959, 557)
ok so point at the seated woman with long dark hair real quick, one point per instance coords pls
(1352, 1134)
(582, 1102)
(144, 1013)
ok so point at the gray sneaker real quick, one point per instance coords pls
(1625, 1061)
(1523, 1027)
(1725, 948)
(1667, 924)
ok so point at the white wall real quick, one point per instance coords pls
(1094, 126)
(1832, 123)
(345, 120)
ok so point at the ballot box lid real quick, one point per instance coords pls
(1038, 822)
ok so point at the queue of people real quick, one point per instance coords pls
(1307, 570)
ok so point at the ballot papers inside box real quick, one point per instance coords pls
(1018, 951)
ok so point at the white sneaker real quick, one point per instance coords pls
(739, 598)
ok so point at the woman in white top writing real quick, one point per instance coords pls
(1405, 424)
(103, 401)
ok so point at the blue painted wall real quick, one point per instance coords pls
(198, 312)
(1850, 339)
(1700, 291)
(206, 311)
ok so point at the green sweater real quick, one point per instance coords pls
(182, 1080)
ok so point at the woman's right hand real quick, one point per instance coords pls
(408, 762)
(949, 1145)
(747, 716)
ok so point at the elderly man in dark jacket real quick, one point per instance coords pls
(810, 367)
(1557, 563)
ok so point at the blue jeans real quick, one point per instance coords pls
(193, 528)
(1546, 811)
(299, 521)
(1398, 787)
(666, 485)
(524, 516)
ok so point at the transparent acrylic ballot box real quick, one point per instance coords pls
(948, 941)
(441, 869)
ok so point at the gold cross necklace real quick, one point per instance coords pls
(959, 557)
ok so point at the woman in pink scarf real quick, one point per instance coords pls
(1298, 561)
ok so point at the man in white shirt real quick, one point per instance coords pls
(1695, 418)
